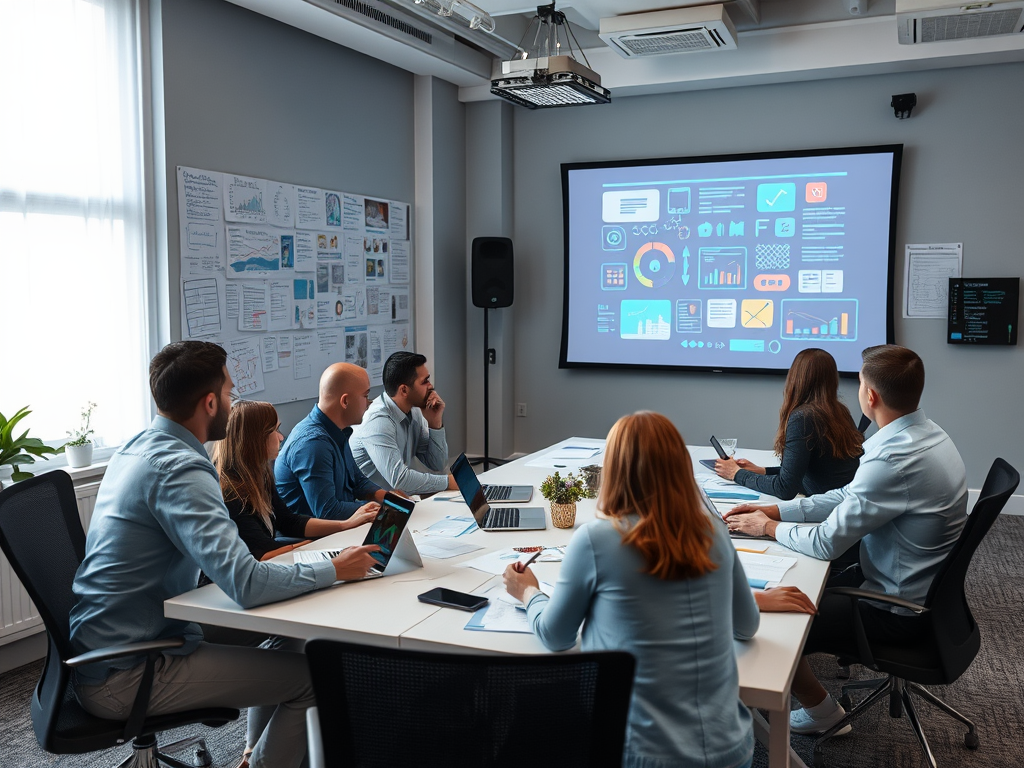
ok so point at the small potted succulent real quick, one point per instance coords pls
(79, 448)
(563, 493)
(18, 451)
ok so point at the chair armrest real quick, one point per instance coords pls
(128, 649)
(878, 597)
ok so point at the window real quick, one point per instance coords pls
(73, 302)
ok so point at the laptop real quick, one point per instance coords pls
(709, 505)
(389, 530)
(503, 492)
(496, 518)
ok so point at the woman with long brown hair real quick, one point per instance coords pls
(244, 459)
(656, 576)
(818, 444)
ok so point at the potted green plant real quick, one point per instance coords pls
(18, 451)
(563, 493)
(79, 448)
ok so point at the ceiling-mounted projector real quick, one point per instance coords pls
(684, 30)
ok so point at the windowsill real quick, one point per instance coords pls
(80, 475)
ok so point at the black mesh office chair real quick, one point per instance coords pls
(41, 535)
(951, 639)
(392, 708)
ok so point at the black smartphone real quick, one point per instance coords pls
(718, 448)
(449, 598)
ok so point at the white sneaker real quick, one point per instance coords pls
(802, 721)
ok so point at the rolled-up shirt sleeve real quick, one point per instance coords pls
(876, 495)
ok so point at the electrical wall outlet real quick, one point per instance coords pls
(521, 410)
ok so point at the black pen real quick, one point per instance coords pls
(520, 567)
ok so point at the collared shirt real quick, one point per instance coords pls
(160, 519)
(908, 502)
(686, 708)
(315, 472)
(386, 442)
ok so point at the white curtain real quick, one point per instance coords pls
(73, 309)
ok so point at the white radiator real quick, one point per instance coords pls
(18, 616)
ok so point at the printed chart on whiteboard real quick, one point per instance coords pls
(290, 278)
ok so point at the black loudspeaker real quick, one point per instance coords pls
(493, 275)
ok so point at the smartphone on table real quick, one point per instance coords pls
(710, 463)
(449, 598)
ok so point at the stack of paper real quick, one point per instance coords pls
(765, 571)
(442, 548)
(451, 526)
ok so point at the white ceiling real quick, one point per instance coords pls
(777, 41)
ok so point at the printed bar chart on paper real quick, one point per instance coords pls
(828, 319)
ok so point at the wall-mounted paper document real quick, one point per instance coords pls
(926, 273)
(245, 365)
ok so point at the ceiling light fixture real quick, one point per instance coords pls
(461, 11)
(543, 76)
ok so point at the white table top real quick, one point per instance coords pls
(385, 611)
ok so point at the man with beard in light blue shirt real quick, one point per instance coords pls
(159, 519)
(907, 505)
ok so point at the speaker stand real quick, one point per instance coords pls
(486, 458)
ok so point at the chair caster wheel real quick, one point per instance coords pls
(843, 672)
(203, 758)
(846, 702)
(971, 740)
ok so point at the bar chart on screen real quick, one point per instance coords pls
(824, 319)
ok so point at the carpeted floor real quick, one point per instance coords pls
(991, 693)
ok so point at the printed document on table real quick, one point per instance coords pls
(500, 616)
(442, 548)
(765, 571)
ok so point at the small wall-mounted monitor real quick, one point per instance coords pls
(983, 310)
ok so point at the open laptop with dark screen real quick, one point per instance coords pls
(493, 518)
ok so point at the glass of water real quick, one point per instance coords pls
(728, 445)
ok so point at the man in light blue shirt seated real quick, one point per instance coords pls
(160, 519)
(405, 422)
(907, 505)
(315, 472)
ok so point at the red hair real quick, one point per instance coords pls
(648, 472)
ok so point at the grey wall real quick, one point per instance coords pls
(246, 94)
(962, 172)
(449, 257)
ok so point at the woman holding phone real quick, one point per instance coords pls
(817, 441)
(656, 576)
(244, 461)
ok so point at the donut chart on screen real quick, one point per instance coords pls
(654, 264)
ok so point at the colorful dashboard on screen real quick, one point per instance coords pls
(729, 263)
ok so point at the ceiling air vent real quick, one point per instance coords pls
(928, 21)
(686, 30)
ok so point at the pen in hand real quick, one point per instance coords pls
(520, 567)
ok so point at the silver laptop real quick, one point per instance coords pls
(493, 518)
(710, 506)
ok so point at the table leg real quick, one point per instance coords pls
(775, 738)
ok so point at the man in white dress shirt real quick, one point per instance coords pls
(405, 422)
(907, 504)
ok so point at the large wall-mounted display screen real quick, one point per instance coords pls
(729, 263)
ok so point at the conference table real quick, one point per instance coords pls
(386, 612)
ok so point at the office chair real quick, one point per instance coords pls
(41, 535)
(393, 708)
(951, 640)
(864, 423)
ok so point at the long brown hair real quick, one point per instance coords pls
(242, 456)
(648, 472)
(812, 387)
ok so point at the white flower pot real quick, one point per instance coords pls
(79, 455)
